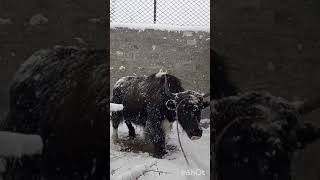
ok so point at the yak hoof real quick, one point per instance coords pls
(114, 136)
(132, 135)
(115, 140)
(159, 155)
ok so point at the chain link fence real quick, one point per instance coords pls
(166, 12)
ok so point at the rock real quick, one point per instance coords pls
(4, 21)
(38, 19)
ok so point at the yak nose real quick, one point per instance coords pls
(196, 134)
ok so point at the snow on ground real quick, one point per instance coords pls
(38, 19)
(142, 27)
(131, 158)
(17, 145)
(5, 21)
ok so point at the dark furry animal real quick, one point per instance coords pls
(152, 102)
(256, 135)
(62, 94)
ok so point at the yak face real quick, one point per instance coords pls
(188, 106)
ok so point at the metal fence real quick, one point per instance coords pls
(166, 12)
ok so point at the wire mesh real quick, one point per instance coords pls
(166, 12)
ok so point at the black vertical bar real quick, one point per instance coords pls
(154, 11)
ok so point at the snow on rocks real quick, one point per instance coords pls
(17, 145)
(161, 73)
(154, 47)
(162, 27)
(188, 33)
(38, 19)
(119, 53)
(4, 21)
(122, 68)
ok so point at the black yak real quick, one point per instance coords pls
(153, 102)
(254, 134)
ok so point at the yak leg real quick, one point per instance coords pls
(154, 133)
(157, 138)
(132, 132)
(115, 118)
(115, 137)
(159, 149)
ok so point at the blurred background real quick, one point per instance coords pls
(275, 46)
(26, 27)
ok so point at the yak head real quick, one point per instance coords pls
(187, 106)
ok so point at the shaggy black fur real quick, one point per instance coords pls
(145, 104)
(62, 94)
(255, 137)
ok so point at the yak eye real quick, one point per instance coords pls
(195, 108)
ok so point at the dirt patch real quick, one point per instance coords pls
(138, 145)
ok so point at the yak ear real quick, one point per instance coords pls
(171, 104)
(205, 104)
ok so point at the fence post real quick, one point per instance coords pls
(154, 11)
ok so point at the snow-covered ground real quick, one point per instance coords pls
(131, 159)
(17, 144)
(142, 27)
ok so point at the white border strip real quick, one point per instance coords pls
(162, 27)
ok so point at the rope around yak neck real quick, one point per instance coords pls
(176, 118)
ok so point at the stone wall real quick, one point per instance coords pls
(275, 46)
(185, 54)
